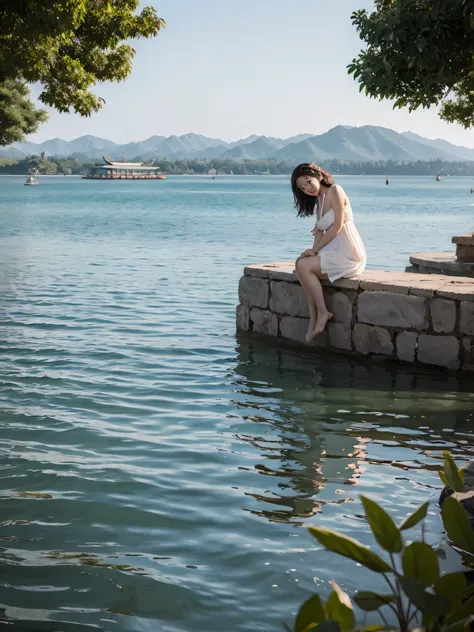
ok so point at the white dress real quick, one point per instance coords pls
(345, 255)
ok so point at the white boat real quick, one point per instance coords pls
(31, 180)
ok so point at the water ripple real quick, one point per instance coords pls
(157, 472)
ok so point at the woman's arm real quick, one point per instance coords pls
(317, 238)
(338, 203)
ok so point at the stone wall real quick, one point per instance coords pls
(409, 317)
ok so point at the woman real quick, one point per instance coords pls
(337, 250)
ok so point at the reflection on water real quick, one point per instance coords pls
(321, 422)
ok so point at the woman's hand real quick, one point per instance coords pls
(307, 253)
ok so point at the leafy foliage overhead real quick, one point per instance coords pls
(70, 45)
(419, 53)
(17, 112)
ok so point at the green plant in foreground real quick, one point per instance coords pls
(417, 594)
(451, 476)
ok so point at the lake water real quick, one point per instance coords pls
(173, 467)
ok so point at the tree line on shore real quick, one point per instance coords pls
(71, 166)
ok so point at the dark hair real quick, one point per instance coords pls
(305, 204)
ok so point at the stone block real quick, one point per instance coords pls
(443, 315)
(406, 346)
(340, 336)
(372, 340)
(439, 350)
(346, 284)
(243, 317)
(288, 299)
(465, 240)
(295, 329)
(392, 310)
(464, 253)
(425, 287)
(284, 274)
(253, 291)
(467, 318)
(256, 271)
(265, 269)
(459, 290)
(468, 350)
(341, 307)
(264, 322)
(382, 285)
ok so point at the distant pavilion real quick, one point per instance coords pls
(112, 170)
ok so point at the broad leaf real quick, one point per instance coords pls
(339, 608)
(415, 518)
(311, 611)
(369, 601)
(452, 586)
(451, 473)
(436, 605)
(383, 527)
(348, 547)
(457, 524)
(465, 610)
(420, 562)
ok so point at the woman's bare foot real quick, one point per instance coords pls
(310, 333)
(321, 323)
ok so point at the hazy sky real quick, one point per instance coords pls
(229, 69)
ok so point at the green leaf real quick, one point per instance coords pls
(465, 610)
(436, 605)
(383, 527)
(456, 523)
(369, 601)
(452, 473)
(419, 562)
(415, 518)
(348, 547)
(339, 608)
(311, 611)
(471, 21)
(452, 586)
(443, 477)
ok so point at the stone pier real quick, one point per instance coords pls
(460, 263)
(407, 317)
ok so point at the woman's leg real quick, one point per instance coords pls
(313, 314)
(309, 272)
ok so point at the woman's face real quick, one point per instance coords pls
(309, 185)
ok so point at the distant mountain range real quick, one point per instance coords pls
(358, 144)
